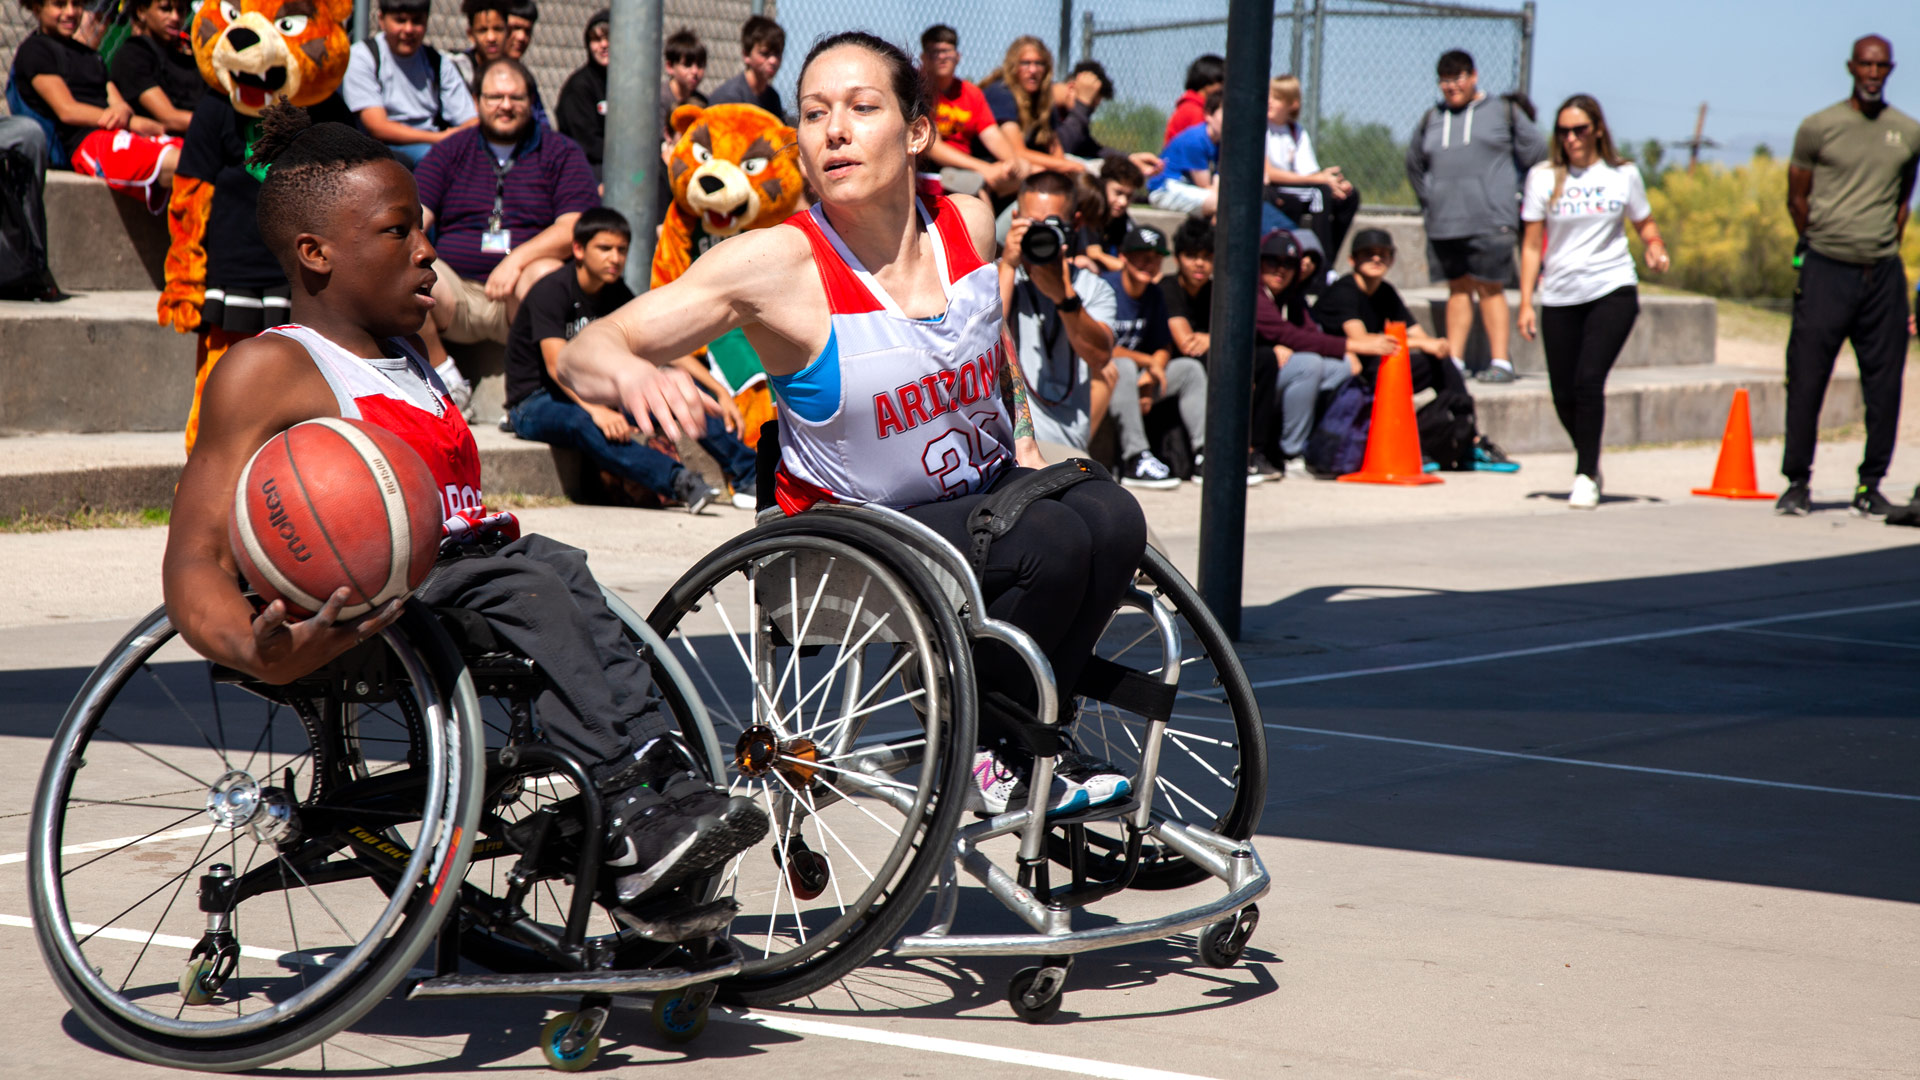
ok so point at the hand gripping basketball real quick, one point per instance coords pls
(331, 505)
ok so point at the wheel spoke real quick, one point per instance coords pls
(164, 912)
(189, 717)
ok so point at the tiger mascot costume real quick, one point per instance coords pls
(222, 282)
(732, 168)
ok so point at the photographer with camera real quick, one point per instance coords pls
(1061, 323)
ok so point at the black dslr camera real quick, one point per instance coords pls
(1046, 241)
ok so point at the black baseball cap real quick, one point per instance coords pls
(1280, 244)
(1379, 239)
(1145, 238)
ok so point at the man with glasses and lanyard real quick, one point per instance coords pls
(504, 197)
(1848, 187)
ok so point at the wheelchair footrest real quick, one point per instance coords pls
(724, 961)
(1113, 811)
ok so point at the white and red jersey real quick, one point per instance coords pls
(896, 411)
(403, 395)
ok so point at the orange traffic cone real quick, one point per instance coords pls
(1733, 476)
(1393, 439)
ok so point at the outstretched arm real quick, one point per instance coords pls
(1026, 450)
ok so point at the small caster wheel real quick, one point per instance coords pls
(1223, 943)
(553, 1045)
(677, 1019)
(807, 873)
(193, 981)
(1033, 998)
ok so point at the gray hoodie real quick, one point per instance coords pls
(1466, 166)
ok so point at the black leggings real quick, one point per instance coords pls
(1058, 575)
(1582, 342)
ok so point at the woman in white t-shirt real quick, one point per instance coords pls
(1575, 253)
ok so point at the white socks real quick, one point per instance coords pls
(1504, 365)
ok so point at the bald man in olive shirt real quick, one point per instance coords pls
(1848, 185)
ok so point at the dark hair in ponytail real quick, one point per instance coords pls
(303, 163)
(901, 72)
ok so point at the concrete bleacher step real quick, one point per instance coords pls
(99, 241)
(1672, 330)
(1665, 404)
(97, 362)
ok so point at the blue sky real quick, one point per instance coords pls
(1761, 65)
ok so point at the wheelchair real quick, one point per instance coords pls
(224, 872)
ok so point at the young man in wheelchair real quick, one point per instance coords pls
(878, 317)
(344, 219)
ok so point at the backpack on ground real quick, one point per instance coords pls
(1447, 431)
(1339, 442)
(23, 241)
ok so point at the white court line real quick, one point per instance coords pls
(1590, 643)
(1832, 637)
(1033, 1059)
(118, 841)
(1683, 773)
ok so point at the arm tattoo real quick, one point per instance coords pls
(1015, 388)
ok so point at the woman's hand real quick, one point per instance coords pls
(1026, 451)
(114, 116)
(1657, 260)
(664, 396)
(286, 651)
(1524, 320)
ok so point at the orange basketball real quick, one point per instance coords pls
(331, 503)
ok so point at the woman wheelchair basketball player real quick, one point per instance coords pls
(878, 317)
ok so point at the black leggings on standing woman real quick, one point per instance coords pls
(1582, 342)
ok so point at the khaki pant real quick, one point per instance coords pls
(476, 317)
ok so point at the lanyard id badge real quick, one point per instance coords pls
(497, 240)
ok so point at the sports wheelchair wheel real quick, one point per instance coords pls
(1213, 760)
(224, 872)
(840, 683)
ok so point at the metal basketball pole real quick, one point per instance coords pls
(1236, 263)
(631, 171)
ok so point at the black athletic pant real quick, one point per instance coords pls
(1057, 575)
(538, 596)
(1582, 341)
(1837, 302)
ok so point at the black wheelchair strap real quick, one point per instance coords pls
(1000, 511)
(1125, 688)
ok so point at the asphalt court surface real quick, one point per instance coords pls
(1615, 823)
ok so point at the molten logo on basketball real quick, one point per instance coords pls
(277, 520)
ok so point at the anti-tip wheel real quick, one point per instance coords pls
(1028, 1006)
(678, 1021)
(193, 986)
(566, 1061)
(1223, 943)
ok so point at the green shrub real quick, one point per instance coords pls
(1130, 126)
(1370, 156)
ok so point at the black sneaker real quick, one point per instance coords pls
(1144, 470)
(693, 491)
(1797, 500)
(1868, 502)
(664, 836)
(1269, 472)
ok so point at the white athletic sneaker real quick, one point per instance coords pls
(1585, 494)
(458, 388)
(997, 785)
(1147, 471)
(1102, 781)
(1199, 463)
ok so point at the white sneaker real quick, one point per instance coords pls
(997, 785)
(458, 388)
(1147, 471)
(1585, 494)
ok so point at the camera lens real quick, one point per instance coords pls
(1043, 243)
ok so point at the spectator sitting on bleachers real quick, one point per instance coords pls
(1296, 183)
(1189, 292)
(1019, 93)
(1076, 100)
(64, 82)
(522, 17)
(1188, 183)
(504, 197)
(1120, 181)
(968, 139)
(155, 70)
(762, 45)
(486, 37)
(1364, 302)
(542, 409)
(1207, 72)
(582, 109)
(1294, 361)
(1060, 319)
(1145, 370)
(406, 93)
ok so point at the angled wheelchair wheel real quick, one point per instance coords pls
(839, 681)
(1213, 760)
(223, 873)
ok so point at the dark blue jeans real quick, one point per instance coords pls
(541, 417)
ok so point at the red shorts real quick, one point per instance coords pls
(129, 163)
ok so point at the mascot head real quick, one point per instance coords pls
(259, 51)
(734, 167)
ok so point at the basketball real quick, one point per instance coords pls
(331, 503)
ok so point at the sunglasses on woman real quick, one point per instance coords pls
(1580, 131)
